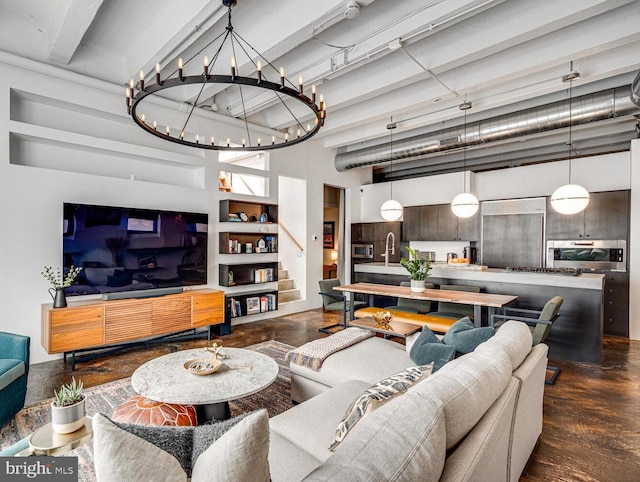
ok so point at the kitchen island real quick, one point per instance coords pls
(576, 334)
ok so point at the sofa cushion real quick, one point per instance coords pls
(377, 395)
(465, 337)
(239, 454)
(427, 348)
(312, 424)
(10, 371)
(466, 387)
(370, 360)
(515, 338)
(391, 444)
(287, 461)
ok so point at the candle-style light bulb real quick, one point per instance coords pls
(131, 85)
(282, 77)
(128, 96)
(286, 137)
(259, 71)
(143, 118)
(300, 85)
(206, 65)
(168, 131)
(228, 142)
(321, 102)
(141, 80)
(313, 93)
(273, 140)
(233, 68)
(259, 142)
(180, 64)
(158, 81)
(182, 135)
(197, 138)
(155, 125)
(298, 133)
(243, 142)
(212, 140)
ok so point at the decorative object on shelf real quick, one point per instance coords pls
(570, 198)
(391, 210)
(202, 366)
(465, 204)
(418, 267)
(68, 408)
(264, 218)
(307, 117)
(59, 282)
(215, 351)
(382, 319)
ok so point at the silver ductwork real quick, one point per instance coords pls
(593, 107)
(635, 90)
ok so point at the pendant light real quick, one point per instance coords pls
(391, 210)
(570, 198)
(465, 204)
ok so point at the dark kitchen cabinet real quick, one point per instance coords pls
(616, 304)
(606, 217)
(363, 232)
(438, 223)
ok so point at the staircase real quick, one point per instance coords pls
(286, 287)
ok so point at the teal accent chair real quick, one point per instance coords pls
(412, 306)
(14, 370)
(539, 321)
(333, 300)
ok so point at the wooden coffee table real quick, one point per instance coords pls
(165, 379)
(399, 328)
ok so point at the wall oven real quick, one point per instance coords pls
(597, 255)
(362, 251)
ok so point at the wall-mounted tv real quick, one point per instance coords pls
(128, 249)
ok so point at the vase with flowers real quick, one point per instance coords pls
(60, 280)
(418, 267)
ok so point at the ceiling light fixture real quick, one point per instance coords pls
(570, 198)
(391, 210)
(465, 204)
(293, 97)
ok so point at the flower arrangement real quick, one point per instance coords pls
(417, 266)
(69, 394)
(56, 277)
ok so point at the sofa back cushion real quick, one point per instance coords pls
(404, 440)
(515, 338)
(465, 388)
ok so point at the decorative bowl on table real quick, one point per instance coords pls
(202, 366)
(382, 319)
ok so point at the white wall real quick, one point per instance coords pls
(634, 240)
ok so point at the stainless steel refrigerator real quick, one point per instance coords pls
(513, 233)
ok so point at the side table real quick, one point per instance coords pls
(45, 441)
(398, 328)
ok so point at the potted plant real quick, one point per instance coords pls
(418, 268)
(59, 282)
(68, 408)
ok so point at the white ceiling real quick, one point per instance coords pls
(502, 55)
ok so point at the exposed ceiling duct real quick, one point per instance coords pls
(635, 90)
(597, 106)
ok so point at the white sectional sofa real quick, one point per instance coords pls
(476, 419)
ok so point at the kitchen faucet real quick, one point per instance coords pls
(386, 247)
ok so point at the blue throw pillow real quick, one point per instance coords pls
(428, 349)
(465, 337)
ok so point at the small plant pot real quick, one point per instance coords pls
(68, 419)
(417, 286)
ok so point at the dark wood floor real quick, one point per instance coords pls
(591, 415)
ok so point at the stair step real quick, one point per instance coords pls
(288, 295)
(283, 274)
(285, 284)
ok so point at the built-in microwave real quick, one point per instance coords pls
(362, 251)
(608, 254)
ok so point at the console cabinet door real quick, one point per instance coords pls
(207, 309)
(72, 328)
(171, 313)
(127, 320)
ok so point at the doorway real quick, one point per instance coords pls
(333, 232)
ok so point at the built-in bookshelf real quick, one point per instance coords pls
(247, 212)
(247, 243)
(250, 303)
(247, 273)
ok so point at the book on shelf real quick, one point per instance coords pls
(263, 303)
(253, 305)
(263, 275)
(235, 307)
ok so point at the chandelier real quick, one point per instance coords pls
(293, 98)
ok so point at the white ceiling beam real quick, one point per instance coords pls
(77, 20)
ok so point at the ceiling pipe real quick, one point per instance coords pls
(635, 90)
(593, 107)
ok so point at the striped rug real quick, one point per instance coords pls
(107, 397)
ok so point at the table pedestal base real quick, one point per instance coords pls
(212, 412)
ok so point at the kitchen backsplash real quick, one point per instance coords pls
(441, 248)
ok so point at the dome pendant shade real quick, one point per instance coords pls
(391, 210)
(465, 205)
(570, 199)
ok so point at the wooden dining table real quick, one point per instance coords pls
(478, 300)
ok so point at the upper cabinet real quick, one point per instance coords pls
(438, 223)
(363, 232)
(606, 217)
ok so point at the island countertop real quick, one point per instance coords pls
(588, 281)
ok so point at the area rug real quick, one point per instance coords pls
(106, 398)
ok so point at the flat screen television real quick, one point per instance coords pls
(127, 249)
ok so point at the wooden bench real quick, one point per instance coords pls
(437, 324)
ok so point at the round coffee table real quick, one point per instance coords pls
(165, 379)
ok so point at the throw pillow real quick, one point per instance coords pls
(465, 337)
(429, 349)
(125, 452)
(376, 396)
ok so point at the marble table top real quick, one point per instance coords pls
(165, 379)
